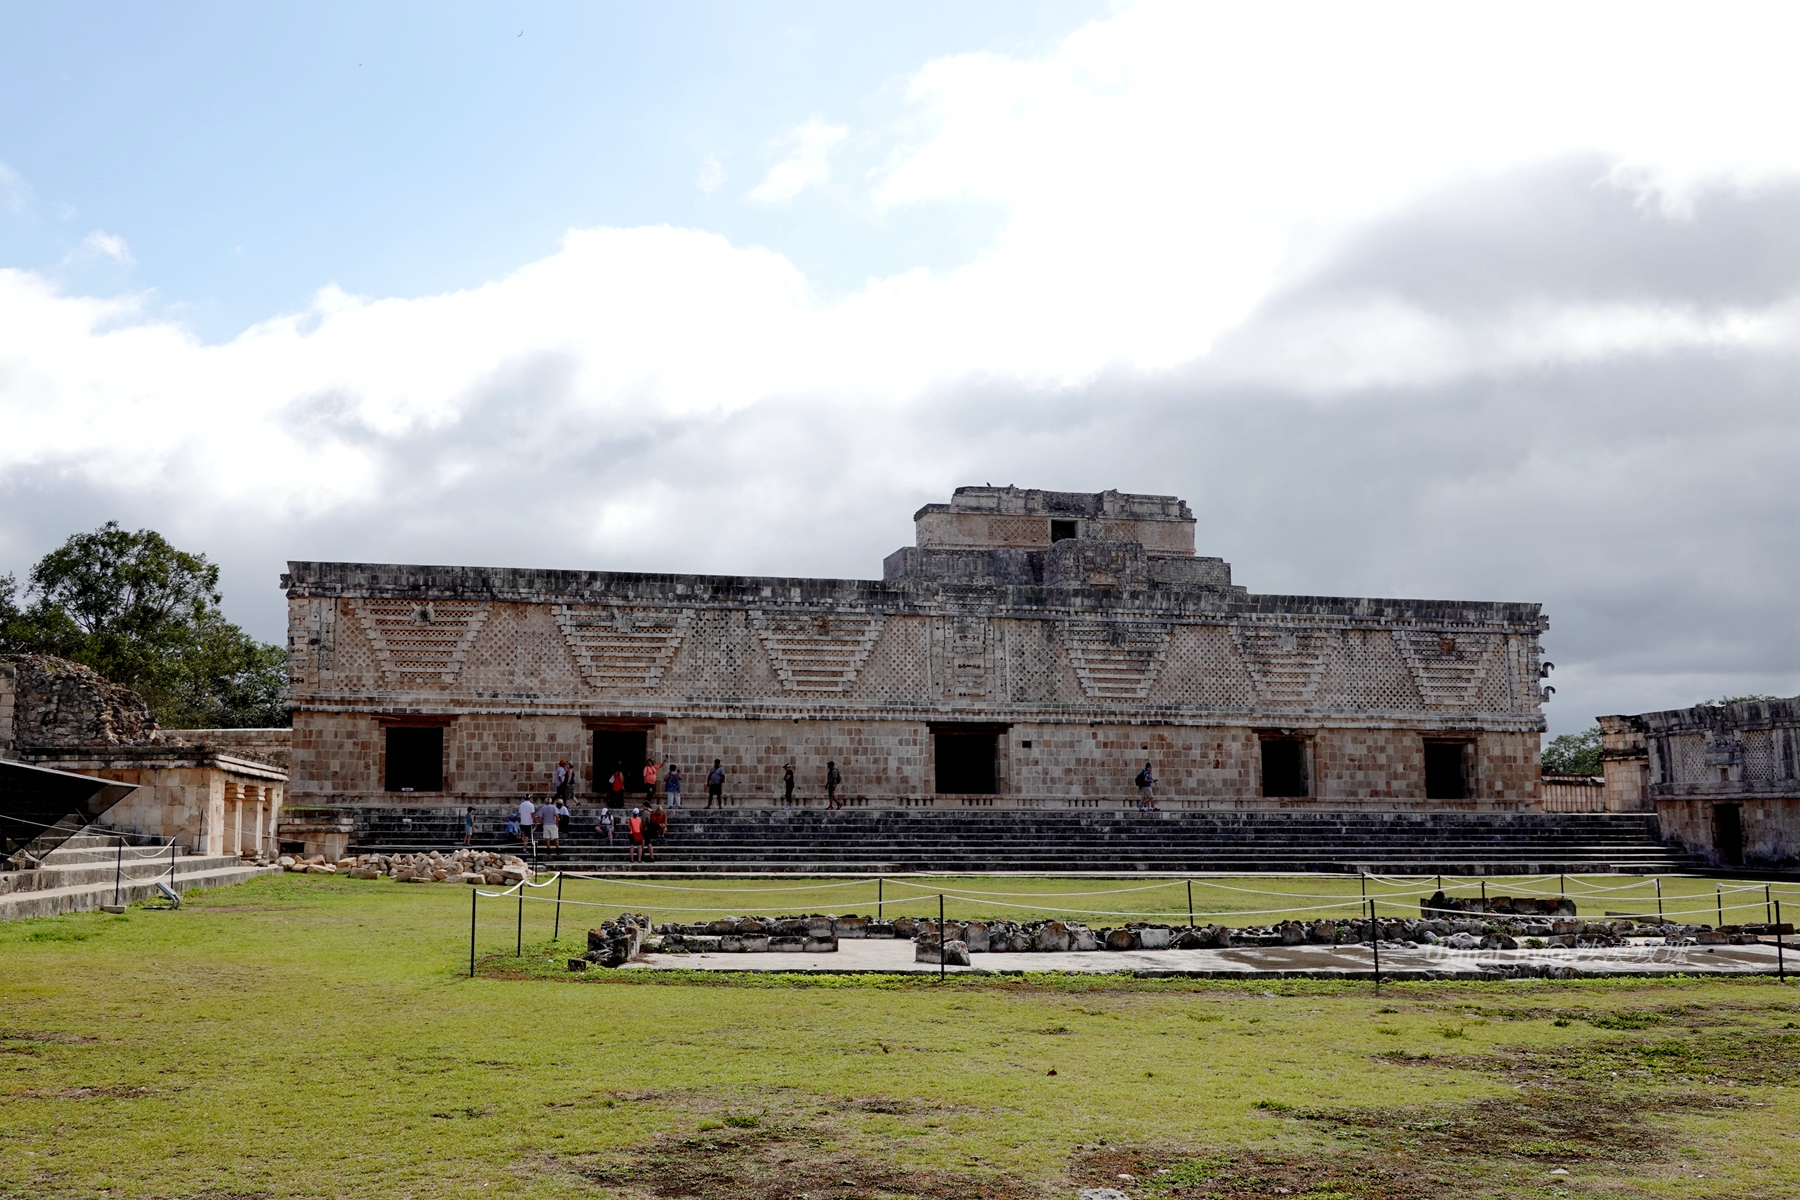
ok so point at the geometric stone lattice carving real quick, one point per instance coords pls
(817, 654)
(1117, 660)
(1447, 667)
(1285, 664)
(423, 643)
(622, 648)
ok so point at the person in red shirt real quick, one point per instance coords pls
(618, 786)
(636, 825)
(649, 780)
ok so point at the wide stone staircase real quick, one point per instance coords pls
(90, 868)
(870, 841)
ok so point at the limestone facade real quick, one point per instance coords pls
(1724, 779)
(1033, 649)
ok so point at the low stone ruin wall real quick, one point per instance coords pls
(1440, 905)
(820, 933)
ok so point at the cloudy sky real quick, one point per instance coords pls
(1440, 301)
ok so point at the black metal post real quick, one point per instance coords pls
(1365, 886)
(519, 946)
(1766, 910)
(1562, 885)
(1659, 916)
(118, 872)
(1780, 959)
(1719, 902)
(880, 889)
(941, 937)
(1190, 904)
(1484, 895)
(171, 864)
(1375, 945)
(474, 896)
(557, 936)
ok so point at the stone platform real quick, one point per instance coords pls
(1646, 958)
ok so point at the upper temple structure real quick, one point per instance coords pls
(1031, 650)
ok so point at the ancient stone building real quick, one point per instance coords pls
(1723, 779)
(218, 792)
(1032, 650)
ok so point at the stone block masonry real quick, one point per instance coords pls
(1032, 651)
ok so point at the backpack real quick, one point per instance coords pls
(1142, 779)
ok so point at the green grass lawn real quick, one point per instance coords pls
(317, 1036)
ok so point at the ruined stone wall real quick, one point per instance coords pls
(53, 702)
(273, 745)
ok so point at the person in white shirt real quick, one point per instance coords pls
(526, 811)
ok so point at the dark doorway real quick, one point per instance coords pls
(415, 759)
(1062, 531)
(965, 763)
(1283, 767)
(615, 746)
(1445, 776)
(1728, 833)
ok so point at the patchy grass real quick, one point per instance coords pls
(308, 1036)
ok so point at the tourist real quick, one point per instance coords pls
(603, 824)
(715, 786)
(656, 828)
(552, 835)
(672, 787)
(618, 785)
(833, 777)
(559, 779)
(649, 780)
(469, 827)
(1146, 785)
(787, 785)
(512, 824)
(636, 826)
(562, 815)
(527, 819)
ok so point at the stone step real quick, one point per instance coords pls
(54, 875)
(48, 902)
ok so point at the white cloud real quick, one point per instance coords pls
(13, 192)
(807, 164)
(712, 174)
(101, 244)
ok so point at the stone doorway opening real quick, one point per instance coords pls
(1446, 770)
(1728, 833)
(623, 748)
(965, 763)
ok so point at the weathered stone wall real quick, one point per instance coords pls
(47, 701)
(273, 745)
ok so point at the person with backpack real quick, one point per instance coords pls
(603, 823)
(1146, 785)
(715, 785)
(833, 777)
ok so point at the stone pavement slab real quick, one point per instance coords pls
(1647, 957)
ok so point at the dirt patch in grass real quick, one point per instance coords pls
(111, 1091)
(1724, 1059)
(777, 1160)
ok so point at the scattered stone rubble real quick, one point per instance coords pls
(1440, 905)
(458, 866)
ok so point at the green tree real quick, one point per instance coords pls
(1574, 754)
(146, 615)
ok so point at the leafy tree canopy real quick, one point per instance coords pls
(146, 615)
(1574, 754)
